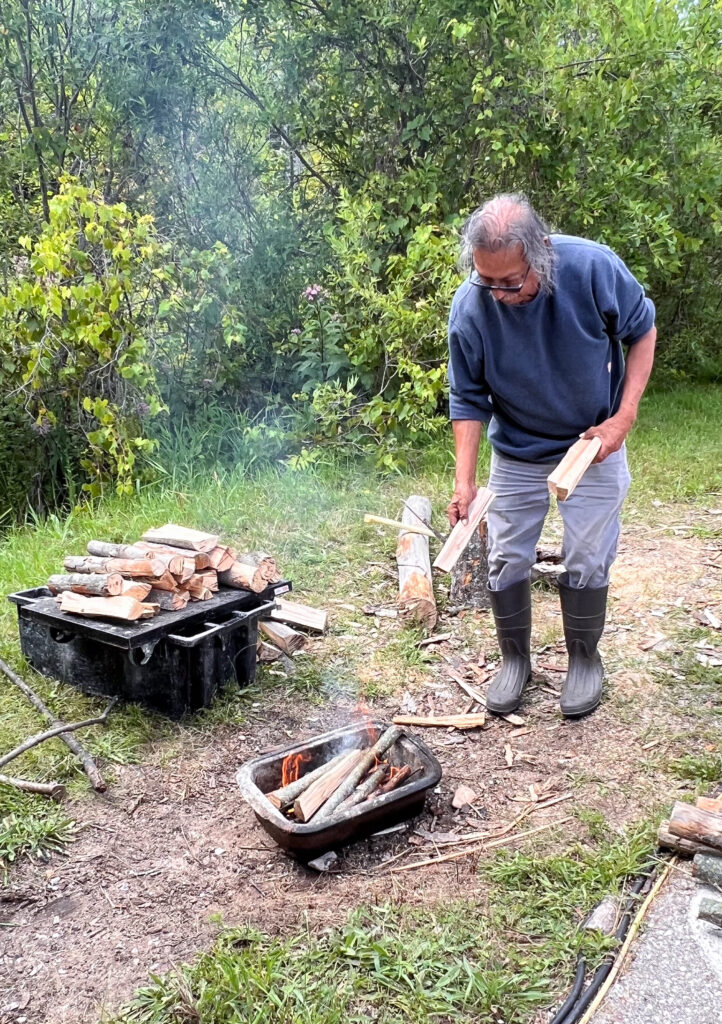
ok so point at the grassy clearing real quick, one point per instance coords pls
(497, 960)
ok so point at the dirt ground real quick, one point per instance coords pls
(172, 852)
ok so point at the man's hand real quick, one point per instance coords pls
(611, 433)
(462, 497)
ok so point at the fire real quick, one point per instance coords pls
(363, 711)
(291, 767)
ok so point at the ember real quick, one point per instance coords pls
(291, 767)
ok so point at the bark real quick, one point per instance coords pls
(366, 790)
(200, 559)
(710, 910)
(132, 568)
(684, 847)
(397, 779)
(102, 549)
(52, 789)
(708, 869)
(470, 575)
(416, 592)
(90, 584)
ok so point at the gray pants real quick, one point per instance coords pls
(590, 515)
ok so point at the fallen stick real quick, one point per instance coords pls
(474, 721)
(386, 740)
(89, 766)
(52, 789)
(287, 794)
(57, 730)
(424, 531)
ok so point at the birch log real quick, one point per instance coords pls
(416, 592)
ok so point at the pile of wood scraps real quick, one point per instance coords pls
(696, 831)
(164, 570)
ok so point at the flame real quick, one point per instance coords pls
(362, 710)
(291, 767)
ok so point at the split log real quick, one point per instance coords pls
(125, 609)
(416, 591)
(470, 575)
(708, 869)
(693, 823)
(710, 910)
(308, 803)
(169, 600)
(197, 588)
(283, 636)
(89, 766)
(136, 589)
(396, 779)
(57, 730)
(182, 537)
(463, 532)
(684, 847)
(254, 571)
(200, 559)
(562, 481)
(472, 721)
(103, 549)
(267, 653)
(285, 796)
(370, 757)
(128, 567)
(90, 584)
(222, 557)
(313, 619)
(210, 579)
(55, 790)
(709, 803)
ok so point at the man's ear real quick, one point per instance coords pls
(546, 240)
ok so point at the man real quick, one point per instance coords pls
(535, 352)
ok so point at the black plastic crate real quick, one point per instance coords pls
(173, 663)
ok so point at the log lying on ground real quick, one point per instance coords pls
(708, 869)
(200, 559)
(290, 612)
(709, 803)
(253, 571)
(90, 584)
(182, 537)
(57, 730)
(89, 766)
(710, 910)
(136, 589)
(684, 847)
(416, 591)
(562, 481)
(470, 575)
(283, 636)
(125, 609)
(55, 790)
(308, 803)
(474, 721)
(285, 796)
(693, 823)
(169, 600)
(128, 567)
(463, 532)
(373, 754)
(267, 653)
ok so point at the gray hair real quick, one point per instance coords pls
(504, 222)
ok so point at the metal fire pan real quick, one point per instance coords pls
(262, 774)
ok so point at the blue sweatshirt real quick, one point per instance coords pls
(542, 372)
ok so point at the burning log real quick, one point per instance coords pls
(369, 758)
(90, 584)
(366, 790)
(283, 636)
(285, 796)
(182, 537)
(253, 571)
(318, 793)
(313, 619)
(397, 777)
(416, 592)
(170, 600)
(127, 609)
(129, 567)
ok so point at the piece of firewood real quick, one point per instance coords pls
(684, 847)
(463, 532)
(104, 549)
(210, 579)
(416, 590)
(472, 721)
(710, 910)
(182, 537)
(285, 795)
(308, 803)
(201, 559)
(369, 758)
(253, 571)
(166, 581)
(395, 780)
(55, 790)
(368, 789)
(708, 869)
(267, 653)
(222, 557)
(314, 619)
(562, 481)
(90, 584)
(709, 803)
(289, 640)
(126, 609)
(74, 745)
(692, 823)
(470, 575)
(57, 730)
(128, 567)
(136, 589)
(169, 600)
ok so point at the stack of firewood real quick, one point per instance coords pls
(697, 832)
(164, 570)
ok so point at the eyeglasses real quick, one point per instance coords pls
(478, 283)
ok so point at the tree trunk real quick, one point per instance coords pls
(90, 584)
(470, 575)
(416, 592)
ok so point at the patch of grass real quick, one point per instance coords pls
(701, 769)
(30, 825)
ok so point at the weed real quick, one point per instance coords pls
(30, 825)
(701, 769)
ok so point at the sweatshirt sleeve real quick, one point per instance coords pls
(469, 397)
(627, 312)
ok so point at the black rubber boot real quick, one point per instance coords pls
(512, 614)
(583, 612)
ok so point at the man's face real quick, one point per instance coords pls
(507, 267)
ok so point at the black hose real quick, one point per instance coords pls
(574, 994)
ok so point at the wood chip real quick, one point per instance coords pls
(508, 754)
(435, 639)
